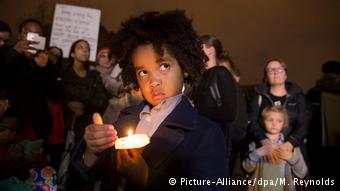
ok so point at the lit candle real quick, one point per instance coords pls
(132, 141)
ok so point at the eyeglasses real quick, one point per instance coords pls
(278, 70)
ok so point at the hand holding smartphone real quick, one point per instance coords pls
(38, 42)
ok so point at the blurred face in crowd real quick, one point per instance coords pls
(54, 55)
(30, 27)
(210, 51)
(103, 58)
(158, 77)
(81, 52)
(274, 122)
(276, 73)
(4, 38)
(8, 128)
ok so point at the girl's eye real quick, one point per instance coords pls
(142, 73)
(269, 120)
(164, 67)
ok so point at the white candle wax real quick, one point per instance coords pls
(132, 141)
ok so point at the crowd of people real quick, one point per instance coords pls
(49, 106)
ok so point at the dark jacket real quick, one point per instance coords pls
(314, 97)
(89, 91)
(204, 100)
(298, 108)
(322, 85)
(28, 87)
(185, 145)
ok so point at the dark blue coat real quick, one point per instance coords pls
(185, 145)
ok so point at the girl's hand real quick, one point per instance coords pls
(273, 155)
(132, 166)
(285, 154)
(98, 137)
(287, 146)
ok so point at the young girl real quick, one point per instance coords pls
(157, 52)
(291, 163)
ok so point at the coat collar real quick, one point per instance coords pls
(292, 89)
(175, 119)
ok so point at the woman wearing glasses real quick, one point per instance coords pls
(277, 91)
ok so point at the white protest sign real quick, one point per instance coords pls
(71, 23)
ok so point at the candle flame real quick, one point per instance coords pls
(129, 132)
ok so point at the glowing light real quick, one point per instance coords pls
(132, 141)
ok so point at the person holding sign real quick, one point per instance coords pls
(157, 53)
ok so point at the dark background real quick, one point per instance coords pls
(304, 33)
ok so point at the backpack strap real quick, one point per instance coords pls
(259, 101)
(215, 93)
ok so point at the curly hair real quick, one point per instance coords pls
(170, 30)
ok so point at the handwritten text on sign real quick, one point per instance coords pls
(71, 23)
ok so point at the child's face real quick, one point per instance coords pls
(274, 122)
(8, 127)
(158, 77)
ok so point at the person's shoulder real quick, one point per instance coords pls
(93, 73)
(220, 70)
(9, 50)
(294, 89)
(203, 123)
(262, 88)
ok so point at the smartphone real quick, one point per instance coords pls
(39, 42)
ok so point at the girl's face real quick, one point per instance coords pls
(103, 58)
(276, 73)
(210, 51)
(158, 77)
(81, 52)
(8, 127)
(274, 122)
